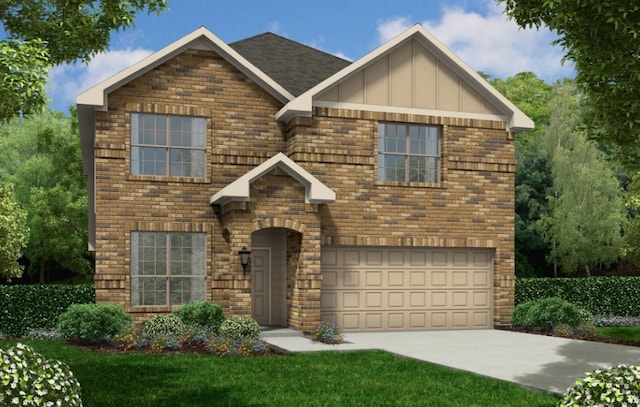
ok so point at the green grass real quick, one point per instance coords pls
(370, 378)
(629, 333)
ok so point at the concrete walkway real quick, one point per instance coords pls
(540, 362)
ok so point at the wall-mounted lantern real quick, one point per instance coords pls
(244, 258)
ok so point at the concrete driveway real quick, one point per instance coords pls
(540, 362)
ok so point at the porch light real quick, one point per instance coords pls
(244, 258)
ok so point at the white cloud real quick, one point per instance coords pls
(387, 29)
(69, 80)
(489, 42)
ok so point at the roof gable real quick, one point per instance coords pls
(412, 73)
(295, 66)
(315, 191)
(201, 38)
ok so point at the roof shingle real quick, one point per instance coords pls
(296, 67)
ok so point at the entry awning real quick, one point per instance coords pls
(315, 191)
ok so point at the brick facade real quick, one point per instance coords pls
(472, 206)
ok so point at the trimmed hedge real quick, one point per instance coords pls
(24, 307)
(616, 296)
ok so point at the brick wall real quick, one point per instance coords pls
(472, 206)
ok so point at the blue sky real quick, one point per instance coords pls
(476, 30)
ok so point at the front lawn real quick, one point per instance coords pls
(369, 378)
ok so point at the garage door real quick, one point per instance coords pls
(373, 288)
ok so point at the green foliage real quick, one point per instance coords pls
(240, 327)
(93, 322)
(598, 295)
(41, 156)
(24, 70)
(42, 33)
(608, 74)
(631, 238)
(327, 332)
(24, 307)
(520, 314)
(14, 233)
(164, 325)
(616, 386)
(201, 313)
(583, 227)
(546, 313)
(533, 178)
(30, 379)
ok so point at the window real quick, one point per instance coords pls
(167, 268)
(408, 153)
(168, 145)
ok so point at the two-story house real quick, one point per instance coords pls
(377, 194)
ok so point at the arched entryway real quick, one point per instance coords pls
(273, 264)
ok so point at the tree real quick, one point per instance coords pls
(14, 233)
(585, 224)
(533, 178)
(44, 33)
(41, 155)
(601, 38)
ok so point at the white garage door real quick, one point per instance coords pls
(373, 288)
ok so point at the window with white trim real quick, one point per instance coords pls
(168, 145)
(167, 268)
(408, 153)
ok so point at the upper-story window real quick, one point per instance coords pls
(168, 145)
(408, 153)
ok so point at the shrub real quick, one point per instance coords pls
(547, 313)
(240, 327)
(520, 314)
(201, 313)
(598, 295)
(164, 325)
(92, 322)
(24, 307)
(327, 332)
(616, 386)
(29, 379)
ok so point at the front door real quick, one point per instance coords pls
(268, 267)
(260, 267)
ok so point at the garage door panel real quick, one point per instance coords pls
(399, 289)
(350, 300)
(329, 257)
(396, 299)
(374, 258)
(351, 257)
(373, 278)
(373, 300)
(395, 278)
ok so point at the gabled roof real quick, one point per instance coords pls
(295, 66)
(516, 119)
(315, 191)
(201, 38)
